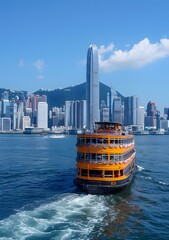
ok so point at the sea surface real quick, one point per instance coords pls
(39, 201)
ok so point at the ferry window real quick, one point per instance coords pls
(105, 158)
(116, 158)
(111, 158)
(116, 173)
(116, 141)
(111, 141)
(99, 140)
(93, 140)
(84, 172)
(94, 156)
(127, 170)
(99, 156)
(105, 140)
(80, 156)
(87, 141)
(88, 156)
(95, 173)
(108, 174)
(121, 172)
(80, 140)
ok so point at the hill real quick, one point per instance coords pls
(58, 97)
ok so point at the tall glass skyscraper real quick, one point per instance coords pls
(92, 87)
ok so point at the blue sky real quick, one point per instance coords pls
(43, 44)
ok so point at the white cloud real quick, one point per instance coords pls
(139, 55)
(39, 65)
(102, 49)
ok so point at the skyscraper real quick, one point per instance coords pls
(131, 110)
(92, 87)
(118, 110)
(42, 116)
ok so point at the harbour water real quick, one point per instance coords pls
(39, 201)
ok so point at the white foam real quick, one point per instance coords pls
(163, 183)
(70, 215)
(139, 168)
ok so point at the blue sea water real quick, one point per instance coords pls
(39, 201)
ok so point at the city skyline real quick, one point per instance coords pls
(43, 45)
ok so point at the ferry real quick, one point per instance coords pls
(105, 160)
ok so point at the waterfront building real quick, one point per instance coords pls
(157, 119)
(5, 95)
(5, 124)
(81, 114)
(166, 112)
(0, 108)
(92, 87)
(164, 124)
(110, 96)
(28, 112)
(141, 117)
(20, 110)
(105, 114)
(151, 109)
(118, 110)
(150, 119)
(42, 115)
(150, 122)
(25, 122)
(5, 104)
(109, 104)
(68, 113)
(75, 114)
(57, 115)
(131, 110)
(12, 113)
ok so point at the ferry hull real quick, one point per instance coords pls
(103, 188)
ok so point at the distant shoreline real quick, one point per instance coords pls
(49, 133)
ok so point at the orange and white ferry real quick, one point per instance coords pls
(105, 159)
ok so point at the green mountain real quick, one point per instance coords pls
(58, 97)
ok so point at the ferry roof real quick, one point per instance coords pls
(109, 123)
(107, 126)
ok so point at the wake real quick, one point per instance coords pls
(71, 216)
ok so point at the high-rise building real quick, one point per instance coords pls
(5, 104)
(150, 119)
(25, 122)
(42, 115)
(151, 109)
(12, 113)
(81, 114)
(92, 87)
(68, 113)
(5, 124)
(75, 114)
(131, 110)
(118, 110)
(5, 95)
